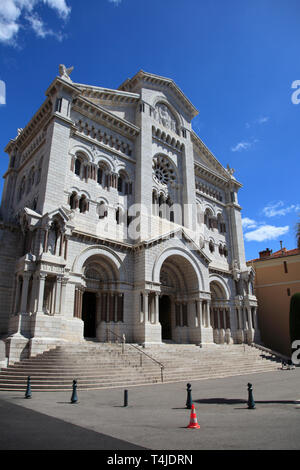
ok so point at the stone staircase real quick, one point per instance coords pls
(104, 365)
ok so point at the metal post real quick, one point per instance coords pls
(189, 400)
(251, 402)
(74, 397)
(28, 388)
(125, 398)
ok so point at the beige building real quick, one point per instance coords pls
(277, 279)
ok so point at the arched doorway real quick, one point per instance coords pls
(102, 302)
(220, 312)
(165, 317)
(179, 286)
(89, 314)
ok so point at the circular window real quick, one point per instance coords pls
(162, 170)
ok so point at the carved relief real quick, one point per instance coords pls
(164, 116)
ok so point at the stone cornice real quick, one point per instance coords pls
(100, 93)
(218, 170)
(101, 240)
(101, 146)
(99, 114)
(60, 83)
(151, 78)
(209, 174)
(220, 271)
(37, 122)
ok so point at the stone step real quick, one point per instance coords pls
(98, 365)
(101, 384)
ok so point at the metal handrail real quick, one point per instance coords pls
(140, 351)
(270, 351)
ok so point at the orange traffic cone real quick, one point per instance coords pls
(193, 419)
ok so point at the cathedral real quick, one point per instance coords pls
(117, 222)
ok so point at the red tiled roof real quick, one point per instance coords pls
(278, 254)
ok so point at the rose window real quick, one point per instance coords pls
(163, 171)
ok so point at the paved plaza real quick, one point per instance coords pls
(156, 417)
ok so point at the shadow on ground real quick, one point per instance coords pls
(237, 401)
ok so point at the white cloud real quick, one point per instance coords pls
(60, 6)
(115, 2)
(40, 29)
(13, 13)
(248, 223)
(266, 232)
(278, 209)
(262, 119)
(241, 146)
(2, 92)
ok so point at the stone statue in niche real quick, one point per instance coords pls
(52, 238)
(165, 117)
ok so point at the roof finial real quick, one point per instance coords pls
(231, 171)
(65, 72)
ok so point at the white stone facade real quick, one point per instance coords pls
(117, 220)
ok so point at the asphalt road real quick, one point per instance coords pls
(157, 418)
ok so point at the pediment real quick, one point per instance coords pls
(166, 85)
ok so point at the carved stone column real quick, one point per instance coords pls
(42, 279)
(156, 307)
(24, 295)
(146, 307)
(57, 309)
(64, 282)
(199, 315)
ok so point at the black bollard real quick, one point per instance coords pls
(74, 397)
(28, 388)
(189, 400)
(125, 397)
(251, 402)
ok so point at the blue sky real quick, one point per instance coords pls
(235, 60)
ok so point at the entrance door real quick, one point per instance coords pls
(165, 317)
(89, 314)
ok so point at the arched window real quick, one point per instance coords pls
(102, 210)
(118, 215)
(124, 186)
(99, 175)
(221, 249)
(77, 166)
(120, 184)
(83, 204)
(207, 218)
(73, 200)
(211, 246)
